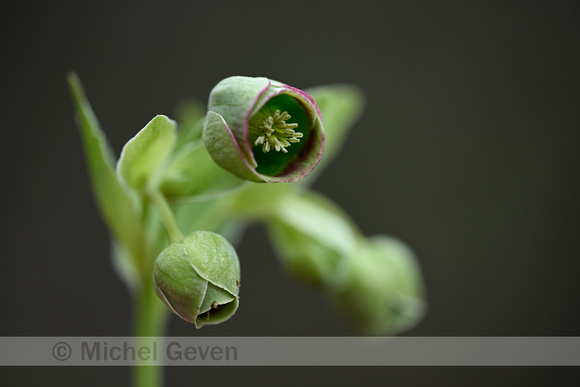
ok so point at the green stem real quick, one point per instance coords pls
(171, 227)
(150, 315)
(150, 320)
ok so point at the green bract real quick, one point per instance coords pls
(262, 130)
(199, 278)
(143, 155)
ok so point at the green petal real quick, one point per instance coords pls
(218, 306)
(178, 284)
(224, 150)
(215, 259)
(233, 98)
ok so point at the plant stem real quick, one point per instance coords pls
(150, 318)
(171, 227)
(150, 315)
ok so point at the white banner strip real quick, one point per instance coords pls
(290, 351)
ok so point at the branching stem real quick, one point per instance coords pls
(171, 227)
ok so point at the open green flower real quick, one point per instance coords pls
(262, 130)
(198, 278)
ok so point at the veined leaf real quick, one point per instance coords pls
(340, 105)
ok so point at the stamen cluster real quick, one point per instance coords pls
(275, 133)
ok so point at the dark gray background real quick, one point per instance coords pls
(468, 151)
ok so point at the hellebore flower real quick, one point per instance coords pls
(198, 278)
(262, 130)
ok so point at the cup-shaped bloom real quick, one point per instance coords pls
(198, 278)
(262, 130)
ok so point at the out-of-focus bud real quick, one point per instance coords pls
(312, 236)
(375, 282)
(262, 130)
(198, 278)
(382, 292)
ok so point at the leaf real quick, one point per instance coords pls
(341, 105)
(193, 174)
(260, 201)
(143, 157)
(190, 118)
(114, 204)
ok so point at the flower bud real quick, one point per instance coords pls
(198, 278)
(262, 130)
(382, 292)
